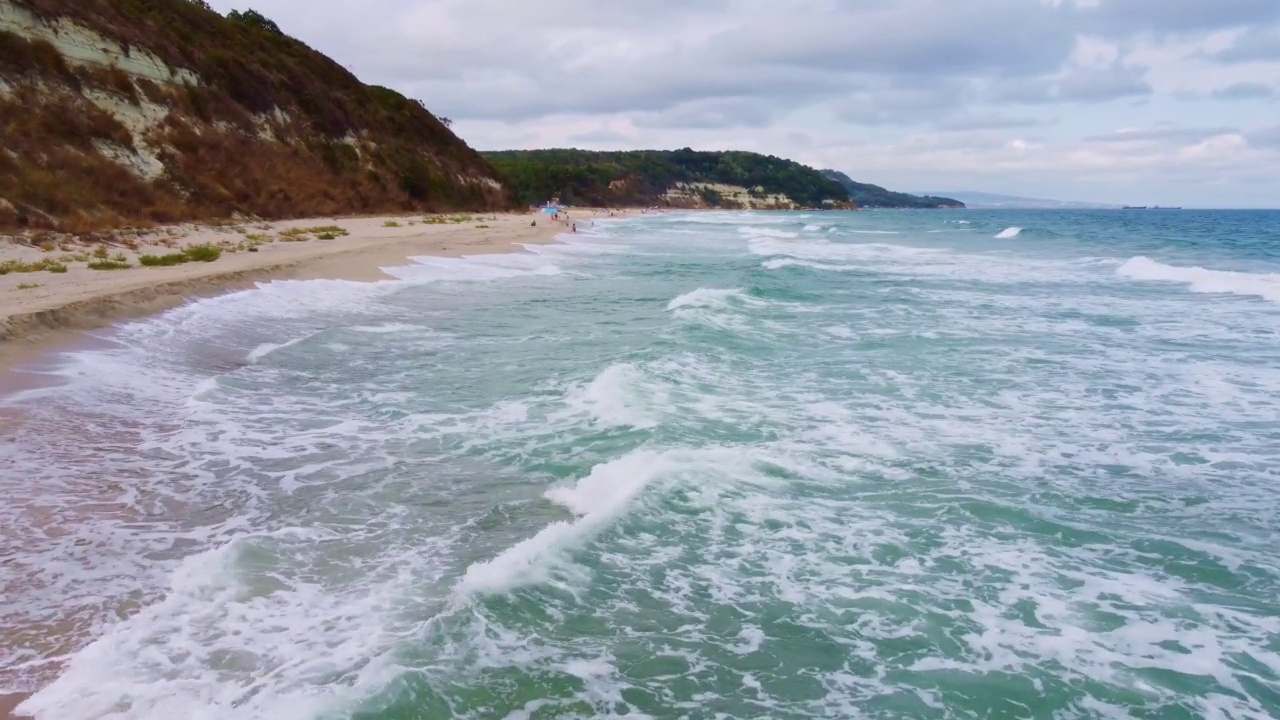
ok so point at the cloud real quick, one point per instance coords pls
(1125, 17)
(1245, 91)
(1161, 134)
(987, 121)
(1078, 85)
(713, 113)
(985, 89)
(1257, 44)
(1267, 137)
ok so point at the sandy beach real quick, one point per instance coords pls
(40, 310)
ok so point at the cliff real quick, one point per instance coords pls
(874, 196)
(680, 178)
(125, 112)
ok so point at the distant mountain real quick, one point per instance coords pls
(992, 201)
(668, 178)
(874, 196)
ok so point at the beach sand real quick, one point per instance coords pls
(55, 313)
(44, 310)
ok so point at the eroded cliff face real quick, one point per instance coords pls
(125, 112)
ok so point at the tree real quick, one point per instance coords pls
(253, 18)
(445, 121)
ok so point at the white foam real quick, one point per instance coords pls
(1201, 280)
(619, 396)
(595, 500)
(474, 268)
(704, 297)
(266, 349)
(223, 646)
(786, 262)
(752, 231)
(391, 328)
(1010, 232)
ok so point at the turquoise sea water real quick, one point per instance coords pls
(859, 465)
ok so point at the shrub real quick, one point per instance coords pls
(18, 266)
(482, 227)
(294, 235)
(203, 253)
(28, 286)
(101, 252)
(328, 230)
(253, 18)
(109, 265)
(326, 236)
(391, 223)
(163, 260)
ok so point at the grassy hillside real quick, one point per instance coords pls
(116, 112)
(874, 196)
(679, 178)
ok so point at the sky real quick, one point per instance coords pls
(1172, 102)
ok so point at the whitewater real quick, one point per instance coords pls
(736, 464)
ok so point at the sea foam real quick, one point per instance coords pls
(1010, 232)
(1202, 280)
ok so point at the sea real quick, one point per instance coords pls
(940, 464)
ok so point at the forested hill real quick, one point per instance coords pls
(677, 178)
(874, 196)
(117, 112)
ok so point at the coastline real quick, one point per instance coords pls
(36, 322)
(57, 311)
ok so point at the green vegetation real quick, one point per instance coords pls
(163, 260)
(109, 265)
(196, 253)
(45, 264)
(202, 253)
(874, 196)
(28, 286)
(453, 220)
(643, 177)
(391, 223)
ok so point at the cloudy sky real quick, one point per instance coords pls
(1130, 101)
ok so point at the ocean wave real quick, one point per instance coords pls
(786, 262)
(1009, 232)
(1202, 280)
(266, 349)
(619, 396)
(594, 501)
(704, 297)
(752, 231)
(473, 268)
(229, 642)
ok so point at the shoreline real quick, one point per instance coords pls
(41, 312)
(36, 325)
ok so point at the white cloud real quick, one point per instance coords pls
(994, 95)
